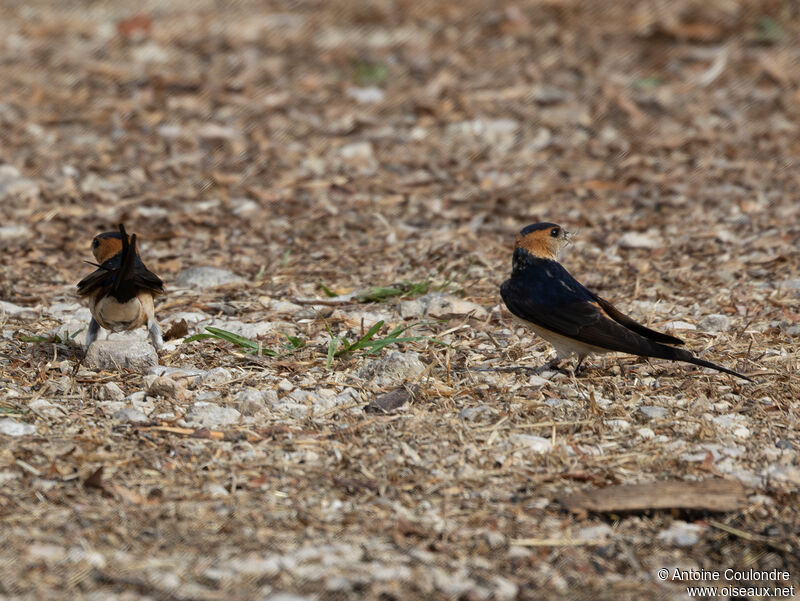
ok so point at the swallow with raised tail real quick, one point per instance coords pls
(121, 290)
(547, 299)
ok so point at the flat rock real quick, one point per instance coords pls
(204, 276)
(11, 427)
(211, 415)
(136, 355)
(393, 369)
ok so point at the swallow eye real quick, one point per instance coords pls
(555, 232)
(95, 243)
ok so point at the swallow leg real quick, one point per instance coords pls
(552, 365)
(91, 333)
(155, 334)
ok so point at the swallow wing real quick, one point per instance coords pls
(107, 275)
(146, 279)
(631, 324)
(100, 279)
(548, 296)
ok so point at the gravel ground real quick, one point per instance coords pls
(268, 154)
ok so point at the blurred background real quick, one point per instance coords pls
(260, 135)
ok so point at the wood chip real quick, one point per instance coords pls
(391, 400)
(708, 495)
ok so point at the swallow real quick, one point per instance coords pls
(546, 298)
(121, 290)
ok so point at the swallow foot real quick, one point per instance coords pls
(552, 365)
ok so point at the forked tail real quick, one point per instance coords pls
(124, 283)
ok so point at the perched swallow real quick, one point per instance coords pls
(546, 298)
(121, 289)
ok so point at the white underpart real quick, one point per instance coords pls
(116, 316)
(564, 345)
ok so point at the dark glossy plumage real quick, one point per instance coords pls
(121, 276)
(542, 292)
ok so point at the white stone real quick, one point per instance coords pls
(715, 323)
(681, 534)
(136, 355)
(367, 95)
(393, 369)
(11, 427)
(645, 433)
(598, 532)
(440, 305)
(216, 491)
(359, 155)
(638, 240)
(112, 392)
(45, 407)
(537, 444)
(784, 474)
(653, 411)
(217, 376)
(210, 415)
(12, 309)
(131, 416)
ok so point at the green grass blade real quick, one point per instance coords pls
(374, 346)
(377, 294)
(250, 346)
(366, 338)
(233, 338)
(328, 292)
(333, 344)
(294, 342)
(36, 338)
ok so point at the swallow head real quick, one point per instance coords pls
(106, 245)
(543, 240)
